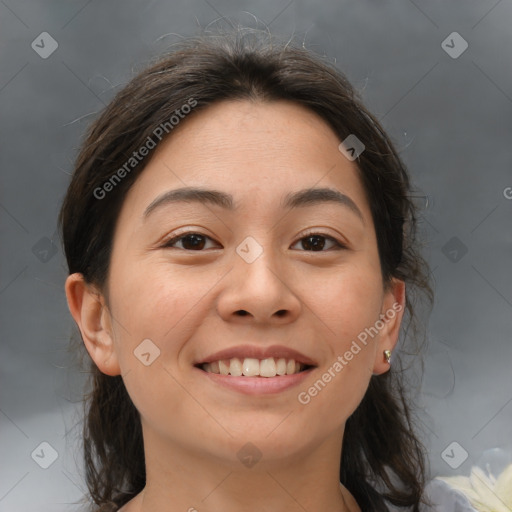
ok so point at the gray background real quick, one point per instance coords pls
(450, 118)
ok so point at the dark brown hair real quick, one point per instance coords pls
(382, 460)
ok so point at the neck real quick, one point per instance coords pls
(178, 479)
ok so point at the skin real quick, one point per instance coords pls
(186, 302)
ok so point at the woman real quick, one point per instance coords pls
(241, 247)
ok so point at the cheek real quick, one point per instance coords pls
(165, 311)
(144, 294)
(350, 307)
(349, 302)
(160, 304)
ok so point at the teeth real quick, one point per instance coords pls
(235, 367)
(251, 367)
(281, 366)
(223, 367)
(268, 367)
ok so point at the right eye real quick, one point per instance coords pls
(190, 241)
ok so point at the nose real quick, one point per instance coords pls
(258, 291)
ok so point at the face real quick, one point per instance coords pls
(268, 270)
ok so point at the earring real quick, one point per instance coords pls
(387, 355)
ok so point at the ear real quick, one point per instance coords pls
(393, 308)
(90, 312)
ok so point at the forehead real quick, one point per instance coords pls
(256, 151)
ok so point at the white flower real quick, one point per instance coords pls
(486, 493)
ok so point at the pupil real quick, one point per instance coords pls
(314, 245)
(198, 241)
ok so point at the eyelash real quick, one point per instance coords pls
(168, 244)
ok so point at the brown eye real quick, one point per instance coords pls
(189, 241)
(316, 242)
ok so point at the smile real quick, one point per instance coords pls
(252, 367)
(256, 385)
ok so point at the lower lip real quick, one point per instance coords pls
(258, 385)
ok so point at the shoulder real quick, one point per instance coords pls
(445, 499)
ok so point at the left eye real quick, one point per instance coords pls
(314, 242)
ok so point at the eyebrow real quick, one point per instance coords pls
(302, 198)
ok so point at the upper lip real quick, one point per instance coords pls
(258, 352)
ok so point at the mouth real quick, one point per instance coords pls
(268, 367)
